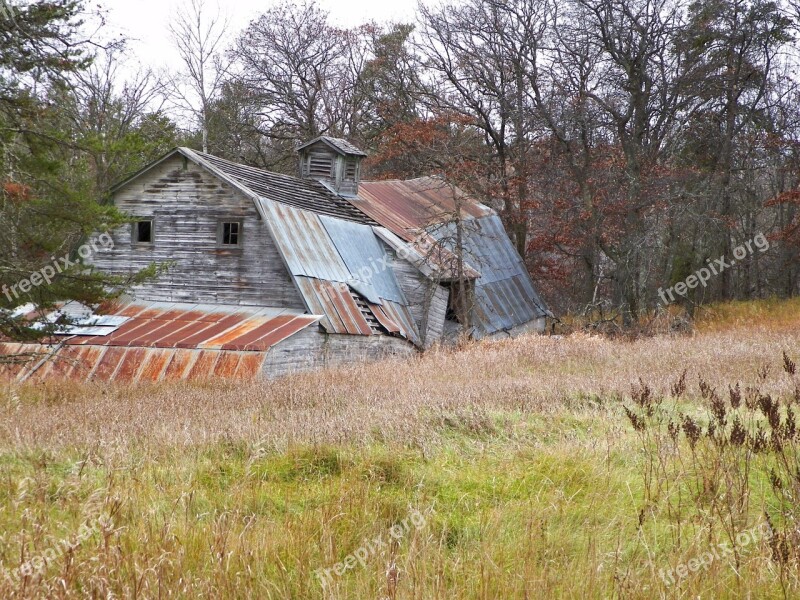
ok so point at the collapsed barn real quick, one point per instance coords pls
(269, 274)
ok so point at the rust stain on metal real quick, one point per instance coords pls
(256, 333)
(130, 365)
(384, 319)
(168, 344)
(10, 370)
(346, 308)
(108, 364)
(226, 365)
(275, 335)
(179, 364)
(404, 206)
(183, 333)
(215, 329)
(249, 365)
(228, 336)
(203, 367)
(154, 365)
(87, 359)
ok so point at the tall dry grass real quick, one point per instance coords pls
(519, 453)
(391, 401)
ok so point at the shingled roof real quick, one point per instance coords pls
(306, 194)
(337, 144)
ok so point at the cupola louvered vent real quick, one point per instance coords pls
(334, 162)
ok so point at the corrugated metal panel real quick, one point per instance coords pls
(335, 301)
(137, 365)
(168, 341)
(401, 315)
(76, 319)
(486, 247)
(364, 257)
(405, 207)
(165, 325)
(504, 294)
(304, 243)
(330, 259)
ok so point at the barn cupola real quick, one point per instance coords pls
(333, 161)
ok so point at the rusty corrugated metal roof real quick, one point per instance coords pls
(422, 210)
(406, 207)
(164, 341)
(170, 325)
(127, 364)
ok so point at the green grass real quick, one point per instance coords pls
(518, 455)
(534, 509)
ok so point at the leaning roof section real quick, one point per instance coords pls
(342, 271)
(406, 207)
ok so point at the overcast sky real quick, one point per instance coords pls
(144, 22)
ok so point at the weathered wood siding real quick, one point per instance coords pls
(187, 203)
(427, 299)
(313, 349)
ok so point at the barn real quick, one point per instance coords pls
(268, 274)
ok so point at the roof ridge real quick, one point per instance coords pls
(308, 194)
(239, 164)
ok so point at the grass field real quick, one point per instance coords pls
(502, 470)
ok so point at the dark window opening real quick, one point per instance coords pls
(229, 233)
(143, 232)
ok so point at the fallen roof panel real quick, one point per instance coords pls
(165, 325)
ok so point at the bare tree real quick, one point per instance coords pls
(479, 51)
(302, 75)
(198, 34)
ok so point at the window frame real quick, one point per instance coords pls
(352, 161)
(221, 234)
(135, 232)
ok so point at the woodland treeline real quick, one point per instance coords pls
(626, 143)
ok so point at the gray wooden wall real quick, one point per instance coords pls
(312, 349)
(187, 203)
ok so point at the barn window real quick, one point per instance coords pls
(143, 232)
(229, 233)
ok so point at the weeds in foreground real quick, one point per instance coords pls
(721, 470)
